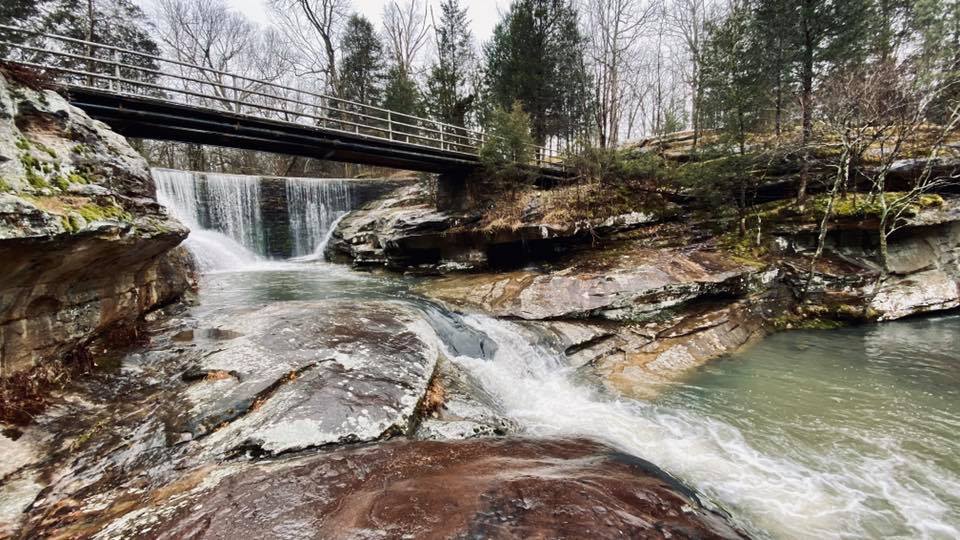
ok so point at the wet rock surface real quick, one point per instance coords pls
(324, 383)
(637, 284)
(503, 488)
(636, 318)
(463, 409)
(405, 232)
(308, 374)
(238, 383)
(648, 303)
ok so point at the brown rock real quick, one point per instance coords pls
(84, 246)
(487, 488)
(624, 286)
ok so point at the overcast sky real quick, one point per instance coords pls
(484, 14)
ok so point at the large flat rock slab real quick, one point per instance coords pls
(482, 488)
(626, 286)
(295, 375)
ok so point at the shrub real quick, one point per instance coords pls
(507, 150)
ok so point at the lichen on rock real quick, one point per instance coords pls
(84, 246)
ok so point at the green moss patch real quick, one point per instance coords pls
(859, 206)
(90, 211)
(94, 212)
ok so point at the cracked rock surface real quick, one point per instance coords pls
(308, 374)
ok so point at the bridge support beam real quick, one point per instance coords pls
(453, 190)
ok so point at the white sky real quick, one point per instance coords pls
(484, 14)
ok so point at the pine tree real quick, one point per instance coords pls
(937, 25)
(401, 93)
(772, 28)
(21, 13)
(119, 23)
(536, 57)
(733, 93)
(449, 97)
(361, 65)
(890, 27)
(813, 37)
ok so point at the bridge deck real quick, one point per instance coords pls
(150, 118)
(151, 97)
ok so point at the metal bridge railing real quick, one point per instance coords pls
(84, 64)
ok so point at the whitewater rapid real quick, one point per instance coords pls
(767, 494)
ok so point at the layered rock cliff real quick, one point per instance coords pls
(84, 247)
(638, 301)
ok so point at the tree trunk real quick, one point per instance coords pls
(806, 100)
(778, 114)
(89, 37)
(824, 222)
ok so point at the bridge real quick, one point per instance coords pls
(151, 97)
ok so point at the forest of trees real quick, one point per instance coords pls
(596, 71)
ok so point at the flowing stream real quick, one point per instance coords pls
(848, 433)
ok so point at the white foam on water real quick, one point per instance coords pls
(314, 206)
(318, 254)
(214, 251)
(769, 494)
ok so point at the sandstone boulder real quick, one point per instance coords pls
(295, 375)
(84, 246)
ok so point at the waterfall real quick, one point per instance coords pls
(213, 250)
(237, 221)
(314, 207)
(233, 207)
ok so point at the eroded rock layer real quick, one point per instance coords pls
(84, 246)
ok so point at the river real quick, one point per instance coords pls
(809, 434)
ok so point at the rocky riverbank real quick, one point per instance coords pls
(639, 299)
(85, 250)
(330, 416)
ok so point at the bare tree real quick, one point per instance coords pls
(854, 114)
(406, 31)
(313, 25)
(211, 36)
(895, 210)
(615, 28)
(879, 110)
(688, 19)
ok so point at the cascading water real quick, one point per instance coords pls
(213, 250)
(233, 207)
(792, 480)
(314, 207)
(779, 493)
(226, 215)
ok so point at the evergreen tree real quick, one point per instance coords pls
(449, 97)
(401, 93)
(890, 27)
(21, 13)
(771, 28)
(813, 38)
(733, 94)
(119, 23)
(508, 148)
(361, 65)
(536, 57)
(937, 25)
